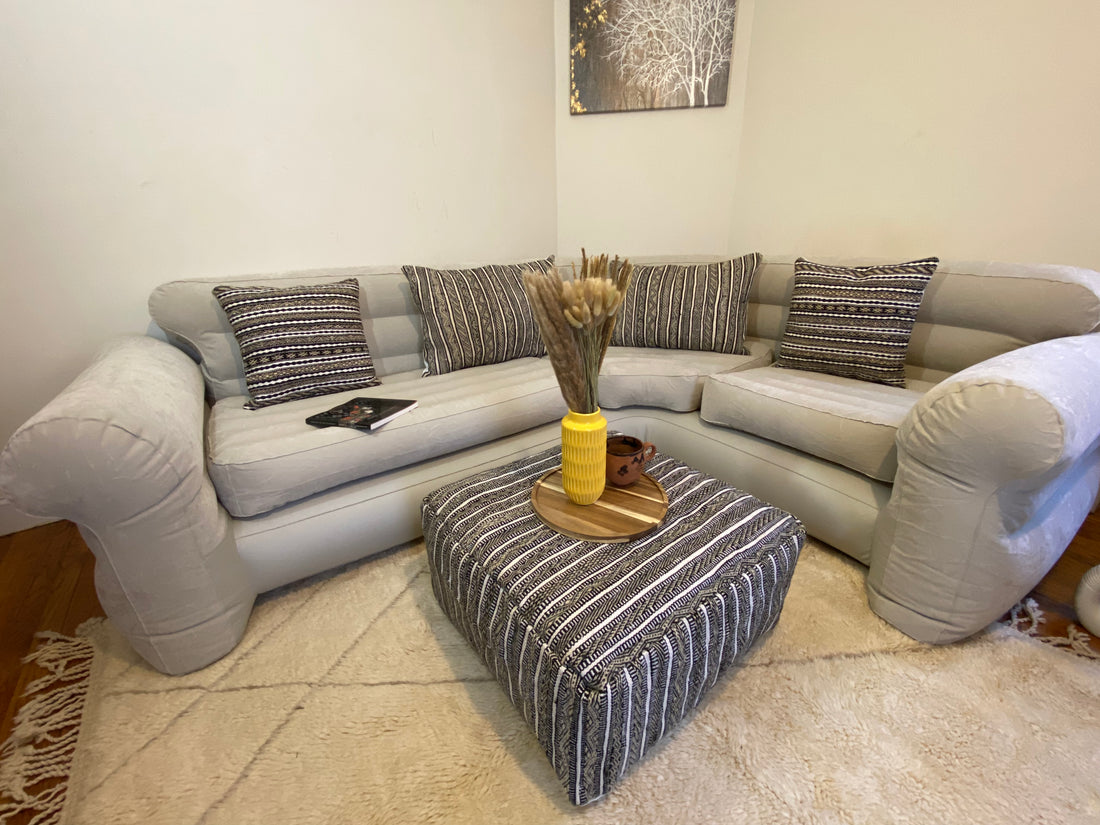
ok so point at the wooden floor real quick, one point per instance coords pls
(46, 583)
(1056, 591)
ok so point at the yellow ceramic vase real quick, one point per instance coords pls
(583, 456)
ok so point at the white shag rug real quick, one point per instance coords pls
(353, 700)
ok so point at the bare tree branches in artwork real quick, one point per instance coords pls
(674, 47)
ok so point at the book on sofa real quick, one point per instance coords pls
(363, 413)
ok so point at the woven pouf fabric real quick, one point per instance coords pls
(604, 648)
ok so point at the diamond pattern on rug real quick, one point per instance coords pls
(836, 717)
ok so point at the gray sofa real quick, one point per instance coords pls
(958, 492)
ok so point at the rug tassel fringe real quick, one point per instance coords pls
(1025, 618)
(44, 733)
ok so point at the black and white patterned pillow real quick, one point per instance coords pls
(854, 322)
(299, 341)
(687, 306)
(475, 316)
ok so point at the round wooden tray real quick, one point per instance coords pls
(619, 515)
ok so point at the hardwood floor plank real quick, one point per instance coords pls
(1057, 619)
(33, 572)
(84, 604)
(46, 583)
(1059, 586)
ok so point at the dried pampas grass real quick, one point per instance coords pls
(576, 318)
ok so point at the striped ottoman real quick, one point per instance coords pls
(605, 647)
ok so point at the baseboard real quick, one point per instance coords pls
(12, 521)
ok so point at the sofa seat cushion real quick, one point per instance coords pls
(262, 459)
(844, 420)
(669, 378)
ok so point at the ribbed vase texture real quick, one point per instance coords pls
(583, 456)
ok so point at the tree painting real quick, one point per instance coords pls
(627, 55)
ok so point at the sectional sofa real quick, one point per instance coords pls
(958, 490)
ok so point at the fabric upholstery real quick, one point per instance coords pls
(192, 319)
(997, 468)
(120, 452)
(687, 306)
(669, 379)
(835, 504)
(971, 310)
(853, 321)
(852, 423)
(601, 648)
(173, 581)
(263, 459)
(473, 317)
(298, 341)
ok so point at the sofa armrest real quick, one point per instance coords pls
(120, 452)
(997, 468)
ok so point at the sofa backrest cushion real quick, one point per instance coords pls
(971, 310)
(191, 318)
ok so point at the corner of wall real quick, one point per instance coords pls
(647, 183)
(737, 242)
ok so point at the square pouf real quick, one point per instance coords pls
(605, 647)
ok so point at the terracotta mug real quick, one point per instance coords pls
(626, 458)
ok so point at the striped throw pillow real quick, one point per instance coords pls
(475, 316)
(687, 306)
(854, 322)
(299, 341)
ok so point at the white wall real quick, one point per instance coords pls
(648, 183)
(141, 142)
(962, 129)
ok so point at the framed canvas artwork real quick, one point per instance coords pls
(630, 55)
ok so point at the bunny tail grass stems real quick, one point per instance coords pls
(544, 291)
(576, 318)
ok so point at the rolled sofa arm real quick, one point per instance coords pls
(120, 452)
(997, 468)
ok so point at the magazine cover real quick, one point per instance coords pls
(362, 413)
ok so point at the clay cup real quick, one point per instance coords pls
(626, 458)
